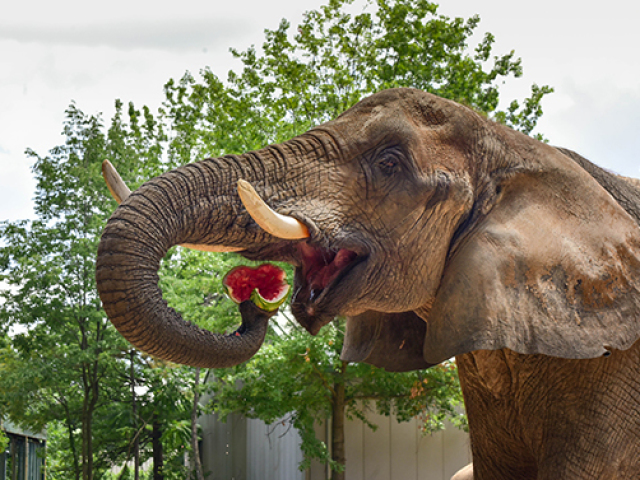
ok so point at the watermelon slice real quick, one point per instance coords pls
(266, 286)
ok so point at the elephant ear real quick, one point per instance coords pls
(393, 341)
(553, 268)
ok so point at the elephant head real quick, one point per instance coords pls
(432, 229)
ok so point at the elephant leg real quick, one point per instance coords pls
(483, 470)
(465, 473)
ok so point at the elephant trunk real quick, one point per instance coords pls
(195, 204)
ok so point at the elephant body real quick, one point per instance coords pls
(436, 233)
(539, 417)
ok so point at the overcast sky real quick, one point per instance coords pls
(52, 53)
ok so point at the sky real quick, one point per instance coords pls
(91, 53)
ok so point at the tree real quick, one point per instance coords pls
(66, 346)
(4, 440)
(64, 364)
(301, 79)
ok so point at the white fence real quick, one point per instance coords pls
(245, 449)
(399, 451)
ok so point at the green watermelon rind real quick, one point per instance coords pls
(267, 305)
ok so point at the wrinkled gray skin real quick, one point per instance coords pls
(461, 238)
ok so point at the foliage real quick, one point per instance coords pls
(332, 60)
(65, 347)
(65, 365)
(4, 441)
(191, 281)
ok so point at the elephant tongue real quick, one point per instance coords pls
(321, 266)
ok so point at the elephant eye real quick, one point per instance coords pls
(389, 164)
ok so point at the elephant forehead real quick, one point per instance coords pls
(362, 130)
(397, 116)
(431, 149)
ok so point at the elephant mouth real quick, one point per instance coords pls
(322, 279)
(319, 284)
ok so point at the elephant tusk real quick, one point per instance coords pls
(280, 226)
(115, 184)
(120, 191)
(211, 248)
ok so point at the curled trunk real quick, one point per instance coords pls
(195, 204)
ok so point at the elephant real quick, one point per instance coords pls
(465, 473)
(436, 233)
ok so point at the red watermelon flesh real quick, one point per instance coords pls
(265, 285)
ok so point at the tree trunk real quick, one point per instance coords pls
(72, 443)
(194, 428)
(156, 445)
(134, 418)
(91, 392)
(87, 443)
(337, 423)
